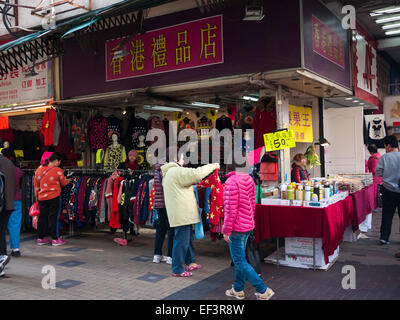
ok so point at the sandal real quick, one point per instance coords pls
(192, 268)
(183, 274)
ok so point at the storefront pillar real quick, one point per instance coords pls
(282, 112)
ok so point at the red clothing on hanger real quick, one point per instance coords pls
(47, 128)
(217, 198)
(114, 220)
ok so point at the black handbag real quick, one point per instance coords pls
(252, 255)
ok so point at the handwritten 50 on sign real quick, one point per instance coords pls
(279, 140)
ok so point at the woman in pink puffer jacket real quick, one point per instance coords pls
(239, 207)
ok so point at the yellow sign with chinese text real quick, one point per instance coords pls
(279, 140)
(19, 153)
(300, 119)
(79, 163)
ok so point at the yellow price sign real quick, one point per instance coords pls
(79, 163)
(279, 140)
(19, 153)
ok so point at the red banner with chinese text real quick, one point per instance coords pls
(189, 45)
(327, 43)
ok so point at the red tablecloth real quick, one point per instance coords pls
(327, 223)
(364, 201)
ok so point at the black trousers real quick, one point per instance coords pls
(48, 211)
(4, 216)
(390, 202)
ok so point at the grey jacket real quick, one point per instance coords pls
(389, 169)
(8, 169)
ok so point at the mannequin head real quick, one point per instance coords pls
(6, 144)
(114, 139)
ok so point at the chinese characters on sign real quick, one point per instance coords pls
(327, 43)
(189, 45)
(279, 140)
(300, 120)
(15, 88)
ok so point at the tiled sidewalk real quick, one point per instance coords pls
(94, 267)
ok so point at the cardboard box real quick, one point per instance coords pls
(271, 201)
(299, 253)
(297, 203)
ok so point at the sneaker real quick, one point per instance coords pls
(41, 242)
(4, 260)
(58, 242)
(384, 241)
(16, 253)
(183, 274)
(266, 295)
(233, 293)
(157, 258)
(168, 260)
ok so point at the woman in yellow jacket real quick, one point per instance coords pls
(182, 210)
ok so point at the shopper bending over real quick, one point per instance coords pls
(14, 223)
(182, 210)
(299, 169)
(239, 207)
(48, 181)
(389, 169)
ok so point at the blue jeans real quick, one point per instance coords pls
(183, 251)
(243, 270)
(162, 227)
(14, 225)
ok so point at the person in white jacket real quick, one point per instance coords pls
(182, 210)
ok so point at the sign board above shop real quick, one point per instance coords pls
(300, 120)
(184, 46)
(15, 88)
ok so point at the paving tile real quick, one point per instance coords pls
(71, 263)
(74, 249)
(142, 259)
(68, 283)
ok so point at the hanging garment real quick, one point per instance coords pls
(269, 167)
(217, 198)
(64, 139)
(375, 130)
(114, 219)
(245, 118)
(79, 133)
(47, 127)
(264, 122)
(57, 129)
(98, 134)
(224, 123)
(114, 156)
(113, 127)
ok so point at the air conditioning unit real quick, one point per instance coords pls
(253, 13)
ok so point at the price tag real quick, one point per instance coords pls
(19, 153)
(279, 140)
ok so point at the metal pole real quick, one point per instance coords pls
(314, 253)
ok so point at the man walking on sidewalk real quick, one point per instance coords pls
(7, 207)
(389, 169)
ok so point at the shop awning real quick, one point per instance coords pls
(45, 44)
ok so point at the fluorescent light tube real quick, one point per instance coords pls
(388, 19)
(163, 108)
(250, 98)
(206, 105)
(388, 33)
(385, 10)
(390, 26)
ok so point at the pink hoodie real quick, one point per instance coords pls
(239, 203)
(372, 163)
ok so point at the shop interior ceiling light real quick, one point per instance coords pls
(391, 32)
(254, 11)
(206, 105)
(163, 108)
(250, 98)
(379, 12)
(388, 19)
(391, 26)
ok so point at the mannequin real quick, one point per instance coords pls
(141, 143)
(6, 145)
(115, 154)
